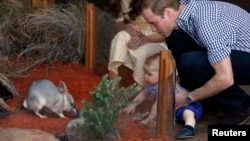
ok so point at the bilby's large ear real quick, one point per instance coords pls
(63, 88)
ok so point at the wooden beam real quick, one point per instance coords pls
(90, 54)
(42, 3)
(166, 96)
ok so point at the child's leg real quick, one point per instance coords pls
(189, 118)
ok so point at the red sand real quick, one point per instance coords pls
(80, 81)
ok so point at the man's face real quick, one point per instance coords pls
(162, 25)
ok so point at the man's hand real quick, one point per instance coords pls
(180, 97)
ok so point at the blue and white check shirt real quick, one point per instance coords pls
(184, 1)
(217, 26)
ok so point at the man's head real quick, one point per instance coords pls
(161, 15)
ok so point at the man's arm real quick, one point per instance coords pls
(222, 79)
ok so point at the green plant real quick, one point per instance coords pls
(107, 101)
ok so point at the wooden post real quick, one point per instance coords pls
(90, 54)
(166, 96)
(42, 3)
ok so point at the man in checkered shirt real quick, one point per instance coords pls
(210, 41)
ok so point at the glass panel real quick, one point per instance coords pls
(104, 31)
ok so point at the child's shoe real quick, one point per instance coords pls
(185, 133)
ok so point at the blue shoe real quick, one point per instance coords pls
(185, 133)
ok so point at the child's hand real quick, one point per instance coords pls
(145, 121)
(149, 122)
(129, 109)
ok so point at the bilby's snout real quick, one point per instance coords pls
(73, 112)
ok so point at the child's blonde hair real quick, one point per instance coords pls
(152, 58)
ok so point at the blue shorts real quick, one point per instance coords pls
(196, 107)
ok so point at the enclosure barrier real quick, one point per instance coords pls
(165, 111)
(90, 55)
(166, 96)
(90, 30)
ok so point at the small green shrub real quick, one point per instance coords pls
(107, 101)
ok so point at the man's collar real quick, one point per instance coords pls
(185, 14)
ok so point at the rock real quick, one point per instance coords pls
(76, 133)
(18, 134)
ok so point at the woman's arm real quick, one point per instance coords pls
(156, 38)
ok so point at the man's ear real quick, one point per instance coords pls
(168, 13)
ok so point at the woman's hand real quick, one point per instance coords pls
(133, 30)
(137, 41)
(137, 37)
